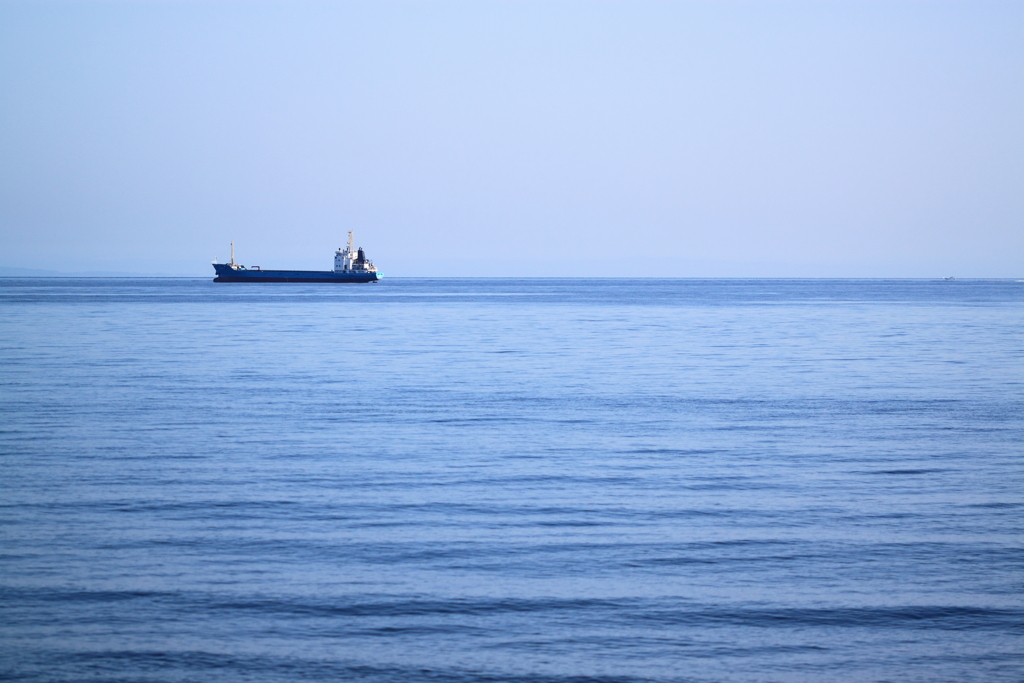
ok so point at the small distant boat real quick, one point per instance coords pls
(949, 278)
(350, 265)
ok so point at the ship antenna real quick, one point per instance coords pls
(350, 240)
(232, 253)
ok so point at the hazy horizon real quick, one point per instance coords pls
(742, 139)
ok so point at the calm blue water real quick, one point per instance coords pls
(511, 481)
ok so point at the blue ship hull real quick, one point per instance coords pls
(225, 273)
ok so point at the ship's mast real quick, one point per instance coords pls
(351, 249)
(232, 253)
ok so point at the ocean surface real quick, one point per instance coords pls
(461, 481)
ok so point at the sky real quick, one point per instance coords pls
(515, 138)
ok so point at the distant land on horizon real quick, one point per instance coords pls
(38, 272)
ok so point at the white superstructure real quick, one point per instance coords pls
(352, 260)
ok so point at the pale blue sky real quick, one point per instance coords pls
(516, 138)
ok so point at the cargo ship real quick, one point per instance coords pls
(350, 265)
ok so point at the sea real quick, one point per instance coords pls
(512, 481)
